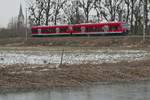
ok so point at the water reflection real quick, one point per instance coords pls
(132, 91)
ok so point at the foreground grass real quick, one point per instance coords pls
(33, 77)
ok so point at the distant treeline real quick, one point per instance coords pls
(13, 33)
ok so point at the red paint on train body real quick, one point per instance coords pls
(108, 28)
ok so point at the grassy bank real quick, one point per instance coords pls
(27, 77)
(102, 41)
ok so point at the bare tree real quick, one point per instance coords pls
(98, 6)
(137, 25)
(132, 12)
(69, 12)
(47, 10)
(146, 13)
(73, 13)
(58, 5)
(87, 6)
(36, 9)
(111, 8)
(127, 13)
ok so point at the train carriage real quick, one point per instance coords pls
(109, 28)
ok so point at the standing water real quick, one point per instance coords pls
(131, 91)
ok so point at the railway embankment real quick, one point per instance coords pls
(89, 41)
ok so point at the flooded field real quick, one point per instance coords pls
(130, 91)
(71, 57)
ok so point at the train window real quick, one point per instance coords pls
(113, 28)
(45, 30)
(105, 28)
(99, 29)
(89, 29)
(34, 31)
(83, 29)
(57, 30)
(63, 30)
(77, 29)
(92, 29)
(52, 30)
(39, 31)
(42, 31)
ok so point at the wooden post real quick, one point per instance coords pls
(61, 60)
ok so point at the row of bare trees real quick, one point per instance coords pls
(53, 12)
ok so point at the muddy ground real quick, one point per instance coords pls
(26, 77)
(33, 77)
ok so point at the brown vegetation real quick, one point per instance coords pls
(102, 41)
(22, 77)
(30, 77)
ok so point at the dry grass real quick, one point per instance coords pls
(32, 77)
(102, 41)
(40, 77)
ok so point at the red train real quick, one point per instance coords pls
(109, 28)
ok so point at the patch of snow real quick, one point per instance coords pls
(94, 57)
(44, 70)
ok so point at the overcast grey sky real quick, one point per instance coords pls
(9, 9)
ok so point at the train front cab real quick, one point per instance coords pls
(125, 28)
